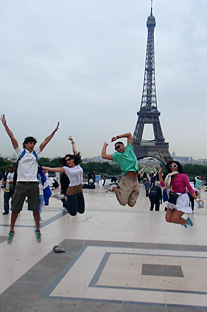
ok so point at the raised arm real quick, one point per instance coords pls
(73, 145)
(47, 139)
(127, 135)
(10, 133)
(160, 176)
(57, 169)
(103, 152)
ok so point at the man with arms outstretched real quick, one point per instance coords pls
(127, 160)
(27, 182)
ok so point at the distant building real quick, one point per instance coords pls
(182, 159)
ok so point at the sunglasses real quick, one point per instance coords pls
(68, 159)
(173, 166)
(117, 147)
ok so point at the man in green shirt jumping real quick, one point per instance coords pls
(127, 160)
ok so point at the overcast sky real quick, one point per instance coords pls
(81, 62)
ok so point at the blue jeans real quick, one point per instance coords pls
(7, 196)
(41, 203)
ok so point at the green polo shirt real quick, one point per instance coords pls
(127, 160)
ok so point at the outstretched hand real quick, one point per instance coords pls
(105, 144)
(3, 119)
(57, 127)
(70, 138)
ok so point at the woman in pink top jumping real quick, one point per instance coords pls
(177, 181)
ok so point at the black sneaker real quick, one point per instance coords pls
(5, 213)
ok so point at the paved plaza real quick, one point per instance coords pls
(117, 259)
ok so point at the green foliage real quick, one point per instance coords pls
(49, 163)
(101, 167)
(44, 162)
(4, 163)
(108, 168)
(195, 170)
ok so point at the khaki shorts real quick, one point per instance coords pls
(129, 191)
(23, 190)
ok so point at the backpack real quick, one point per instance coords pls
(153, 191)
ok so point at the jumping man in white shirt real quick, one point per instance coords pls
(27, 182)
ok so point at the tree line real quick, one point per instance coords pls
(107, 168)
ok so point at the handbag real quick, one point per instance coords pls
(173, 197)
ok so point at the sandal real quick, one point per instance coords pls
(58, 249)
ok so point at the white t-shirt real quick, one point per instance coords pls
(27, 165)
(75, 175)
(9, 178)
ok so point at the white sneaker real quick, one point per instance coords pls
(112, 186)
(58, 196)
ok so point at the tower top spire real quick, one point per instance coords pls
(151, 20)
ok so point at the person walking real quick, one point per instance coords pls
(177, 181)
(98, 179)
(127, 160)
(198, 185)
(155, 196)
(75, 199)
(27, 181)
(147, 187)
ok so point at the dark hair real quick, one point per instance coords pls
(118, 143)
(77, 159)
(29, 139)
(180, 168)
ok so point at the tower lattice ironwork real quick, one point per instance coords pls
(149, 114)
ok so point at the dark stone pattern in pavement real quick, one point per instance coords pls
(162, 270)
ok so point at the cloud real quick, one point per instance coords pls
(82, 62)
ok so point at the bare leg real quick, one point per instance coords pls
(13, 220)
(175, 216)
(36, 215)
(116, 191)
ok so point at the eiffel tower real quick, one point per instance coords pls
(148, 113)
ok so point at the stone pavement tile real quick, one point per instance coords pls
(3, 239)
(31, 293)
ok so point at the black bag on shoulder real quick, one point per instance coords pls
(173, 197)
(153, 192)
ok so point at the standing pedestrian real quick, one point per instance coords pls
(198, 185)
(8, 184)
(155, 196)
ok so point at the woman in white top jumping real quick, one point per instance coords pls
(71, 167)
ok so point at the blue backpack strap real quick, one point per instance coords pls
(35, 155)
(21, 155)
